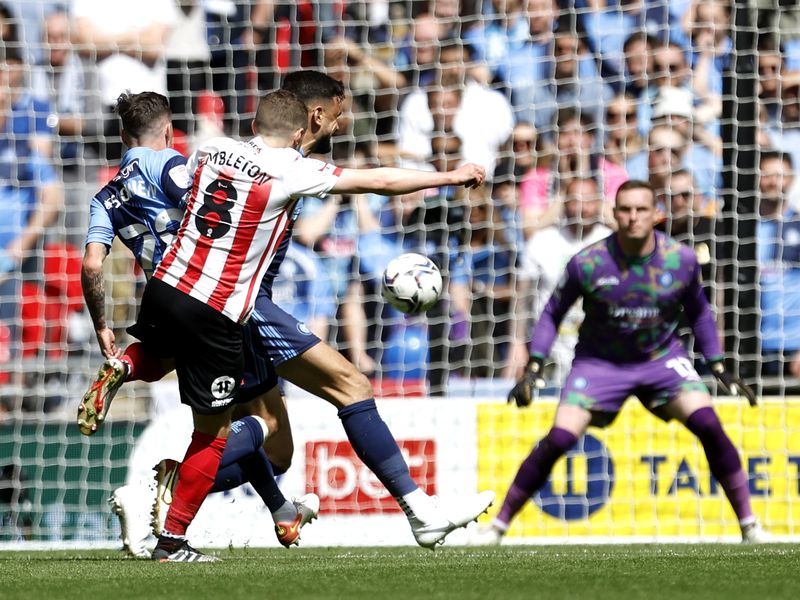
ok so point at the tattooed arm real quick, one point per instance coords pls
(94, 294)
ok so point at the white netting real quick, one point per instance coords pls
(539, 92)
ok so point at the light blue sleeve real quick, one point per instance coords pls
(101, 229)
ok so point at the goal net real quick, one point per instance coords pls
(560, 102)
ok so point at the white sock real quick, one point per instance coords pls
(747, 521)
(416, 504)
(287, 512)
(264, 428)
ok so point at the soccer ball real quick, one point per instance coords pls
(412, 283)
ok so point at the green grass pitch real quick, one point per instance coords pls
(730, 572)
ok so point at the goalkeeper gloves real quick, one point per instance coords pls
(530, 383)
(731, 384)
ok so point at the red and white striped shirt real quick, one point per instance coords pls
(238, 212)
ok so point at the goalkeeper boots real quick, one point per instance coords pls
(97, 400)
(131, 504)
(288, 532)
(753, 533)
(484, 535)
(431, 529)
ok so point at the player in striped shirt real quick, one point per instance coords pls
(143, 206)
(206, 287)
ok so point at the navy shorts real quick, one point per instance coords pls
(271, 337)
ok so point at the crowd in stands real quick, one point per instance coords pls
(561, 100)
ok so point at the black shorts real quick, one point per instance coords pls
(205, 344)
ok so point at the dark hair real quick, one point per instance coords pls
(7, 15)
(641, 36)
(566, 114)
(312, 85)
(636, 184)
(767, 42)
(582, 179)
(142, 113)
(770, 154)
(280, 113)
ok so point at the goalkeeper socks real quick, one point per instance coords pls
(142, 366)
(374, 444)
(195, 479)
(723, 459)
(533, 473)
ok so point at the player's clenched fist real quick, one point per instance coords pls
(529, 384)
(470, 175)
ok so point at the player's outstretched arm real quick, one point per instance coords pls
(94, 294)
(531, 382)
(392, 181)
(732, 384)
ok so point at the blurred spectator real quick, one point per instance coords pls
(639, 49)
(482, 119)
(482, 294)
(623, 140)
(330, 228)
(785, 135)
(569, 78)
(31, 197)
(124, 44)
(59, 80)
(302, 290)
(666, 148)
(709, 24)
(417, 55)
(543, 261)
(527, 61)
(541, 191)
(188, 59)
(497, 40)
(371, 85)
(770, 68)
(670, 70)
(778, 239)
(33, 117)
(703, 156)
(9, 32)
(524, 141)
(611, 23)
(686, 220)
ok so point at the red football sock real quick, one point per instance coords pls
(142, 366)
(195, 479)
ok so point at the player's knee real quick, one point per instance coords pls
(355, 386)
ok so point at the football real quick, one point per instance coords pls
(412, 283)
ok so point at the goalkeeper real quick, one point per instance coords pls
(634, 285)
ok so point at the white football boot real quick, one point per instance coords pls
(430, 529)
(753, 533)
(133, 505)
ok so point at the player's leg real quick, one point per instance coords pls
(207, 348)
(271, 408)
(695, 410)
(324, 372)
(260, 397)
(569, 424)
(135, 363)
(593, 392)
